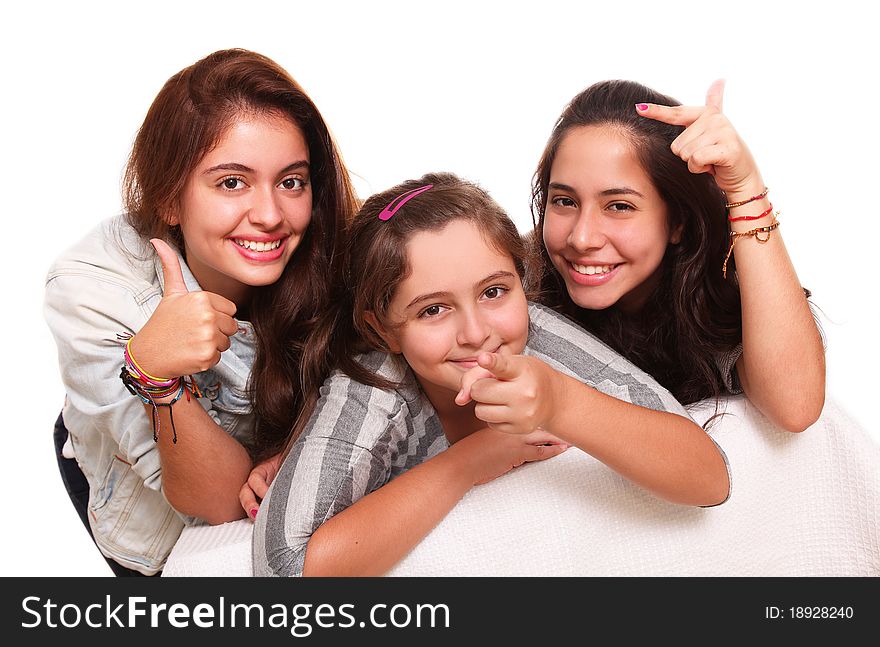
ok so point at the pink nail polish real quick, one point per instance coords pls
(253, 513)
(641, 107)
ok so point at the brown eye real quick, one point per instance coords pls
(495, 292)
(431, 311)
(620, 206)
(293, 183)
(231, 183)
(563, 201)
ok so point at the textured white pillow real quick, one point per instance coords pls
(801, 504)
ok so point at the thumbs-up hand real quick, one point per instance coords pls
(188, 330)
(515, 394)
(710, 144)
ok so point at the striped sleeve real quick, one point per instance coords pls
(572, 350)
(337, 461)
(726, 363)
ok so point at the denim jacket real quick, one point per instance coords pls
(110, 283)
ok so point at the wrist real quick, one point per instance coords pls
(746, 192)
(458, 466)
(142, 361)
(560, 390)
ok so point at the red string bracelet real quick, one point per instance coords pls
(739, 218)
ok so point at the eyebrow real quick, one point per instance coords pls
(495, 276)
(623, 190)
(561, 187)
(241, 168)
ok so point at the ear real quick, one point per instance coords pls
(171, 215)
(387, 336)
(675, 235)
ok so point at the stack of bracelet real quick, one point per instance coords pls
(149, 388)
(752, 233)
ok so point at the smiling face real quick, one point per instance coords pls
(461, 297)
(246, 206)
(605, 226)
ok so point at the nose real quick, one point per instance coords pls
(587, 232)
(265, 210)
(473, 329)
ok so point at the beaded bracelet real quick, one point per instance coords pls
(762, 194)
(756, 233)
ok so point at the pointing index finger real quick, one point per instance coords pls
(674, 115)
(502, 366)
(715, 95)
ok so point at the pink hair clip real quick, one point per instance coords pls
(395, 205)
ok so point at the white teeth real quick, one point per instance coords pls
(258, 247)
(589, 270)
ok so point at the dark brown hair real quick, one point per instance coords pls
(187, 119)
(376, 259)
(694, 314)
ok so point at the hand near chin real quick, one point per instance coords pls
(710, 144)
(515, 394)
(188, 330)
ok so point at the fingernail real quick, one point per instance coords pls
(641, 107)
(253, 513)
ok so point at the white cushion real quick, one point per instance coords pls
(801, 505)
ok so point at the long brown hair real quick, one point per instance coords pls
(694, 314)
(377, 262)
(186, 120)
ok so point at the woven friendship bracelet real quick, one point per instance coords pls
(762, 194)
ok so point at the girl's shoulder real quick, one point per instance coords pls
(556, 336)
(545, 321)
(386, 367)
(354, 413)
(113, 251)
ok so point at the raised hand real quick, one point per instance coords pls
(188, 330)
(515, 394)
(710, 144)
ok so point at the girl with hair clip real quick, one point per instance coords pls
(181, 323)
(459, 379)
(655, 231)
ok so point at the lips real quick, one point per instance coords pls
(593, 268)
(471, 361)
(594, 274)
(263, 250)
(258, 246)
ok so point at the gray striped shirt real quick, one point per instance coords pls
(360, 437)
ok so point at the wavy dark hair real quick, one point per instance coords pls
(376, 257)
(186, 120)
(694, 315)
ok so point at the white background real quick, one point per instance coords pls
(468, 87)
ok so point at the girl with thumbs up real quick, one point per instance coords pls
(181, 323)
(655, 231)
